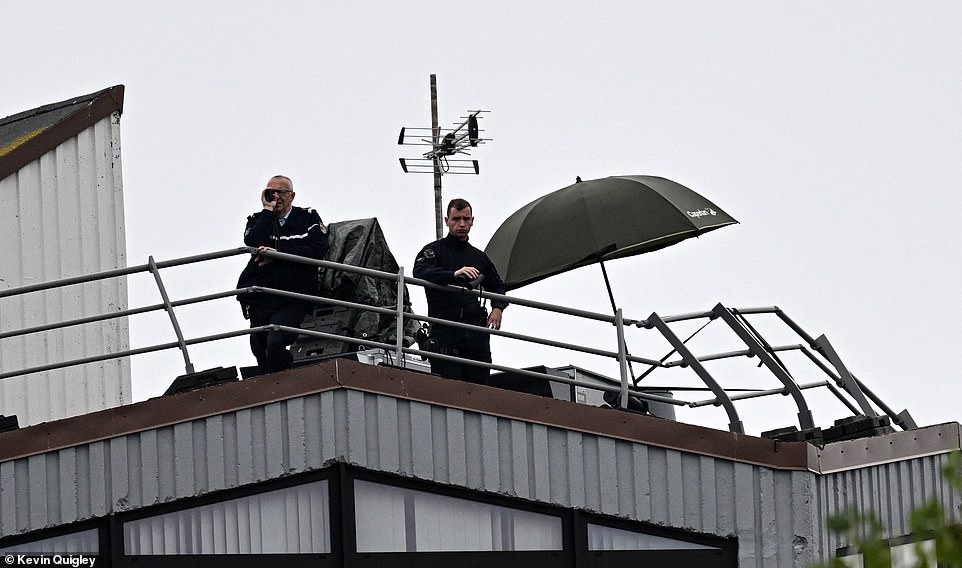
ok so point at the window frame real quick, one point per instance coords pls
(724, 549)
(462, 559)
(101, 524)
(271, 560)
(852, 552)
(341, 479)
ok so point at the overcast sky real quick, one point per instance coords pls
(831, 130)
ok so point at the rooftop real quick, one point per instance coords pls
(26, 136)
(345, 374)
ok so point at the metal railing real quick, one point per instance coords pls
(841, 383)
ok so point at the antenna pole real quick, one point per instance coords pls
(435, 138)
(447, 144)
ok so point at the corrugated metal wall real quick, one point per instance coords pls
(63, 215)
(889, 492)
(769, 511)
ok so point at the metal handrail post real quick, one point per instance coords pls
(188, 366)
(622, 357)
(399, 321)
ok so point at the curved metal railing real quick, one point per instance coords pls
(841, 383)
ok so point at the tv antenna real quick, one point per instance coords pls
(444, 143)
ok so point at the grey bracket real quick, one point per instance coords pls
(846, 380)
(805, 420)
(735, 424)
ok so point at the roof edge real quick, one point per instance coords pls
(164, 411)
(98, 105)
(405, 384)
(613, 423)
(889, 448)
(421, 387)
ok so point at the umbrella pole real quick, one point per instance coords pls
(608, 285)
(614, 309)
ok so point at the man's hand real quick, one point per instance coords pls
(263, 260)
(494, 319)
(268, 205)
(468, 272)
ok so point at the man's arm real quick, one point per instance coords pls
(494, 283)
(260, 230)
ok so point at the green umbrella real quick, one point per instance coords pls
(597, 220)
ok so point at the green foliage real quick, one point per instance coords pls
(863, 532)
(929, 521)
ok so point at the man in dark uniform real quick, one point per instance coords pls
(452, 260)
(280, 227)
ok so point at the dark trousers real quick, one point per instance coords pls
(466, 344)
(461, 371)
(270, 347)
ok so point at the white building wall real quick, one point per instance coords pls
(61, 216)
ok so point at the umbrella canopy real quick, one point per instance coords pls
(598, 220)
